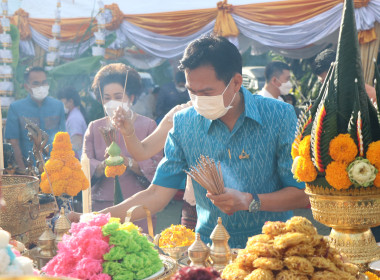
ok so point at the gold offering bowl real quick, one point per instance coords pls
(350, 218)
(176, 252)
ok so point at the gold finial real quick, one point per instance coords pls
(198, 252)
(220, 251)
(46, 243)
(62, 226)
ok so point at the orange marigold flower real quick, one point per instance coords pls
(343, 148)
(85, 183)
(337, 175)
(62, 155)
(73, 163)
(371, 276)
(43, 176)
(117, 170)
(373, 154)
(305, 170)
(304, 148)
(54, 176)
(62, 137)
(295, 144)
(59, 187)
(61, 146)
(73, 187)
(45, 187)
(53, 165)
(376, 182)
(66, 172)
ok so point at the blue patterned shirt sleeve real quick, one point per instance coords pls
(285, 140)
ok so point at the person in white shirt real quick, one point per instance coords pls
(277, 80)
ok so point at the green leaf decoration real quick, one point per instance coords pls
(376, 83)
(348, 68)
(117, 194)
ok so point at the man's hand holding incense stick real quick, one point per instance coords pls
(209, 175)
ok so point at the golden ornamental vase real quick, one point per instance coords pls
(350, 217)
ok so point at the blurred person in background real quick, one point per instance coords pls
(322, 63)
(75, 118)
(277, 80)
(39, 108)
(170, 95)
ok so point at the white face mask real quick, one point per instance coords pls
(65, 109)
(40, 93)
(112, 105)
(285, 88)
(211, 107)
(180, 89)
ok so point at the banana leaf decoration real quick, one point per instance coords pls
(377, 87)
(348, 69)
(324, 127)
(355, 126)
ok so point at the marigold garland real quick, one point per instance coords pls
(373, 154)
(305, 170)
(304, 147)
(63, 169)
(343, 148)
(337, 176)
(116, 170)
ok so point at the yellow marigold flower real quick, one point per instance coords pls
(337, 176)
(305, 170)
(176, 236)
(77, 174)
(62, 137)
(371, 276)
(343, 148)
(117, 170)
(294, 151)
(304, 147)
(373, 154)
(114, 220)
(53, 165)
(129, 227)
(54, 176)
(61, 146)
(62, 155)
(59, 187)
(376, 183)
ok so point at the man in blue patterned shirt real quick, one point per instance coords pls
(250, 135)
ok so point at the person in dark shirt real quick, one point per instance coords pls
(171, 95)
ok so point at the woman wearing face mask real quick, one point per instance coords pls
(109, 85)
(76, 124)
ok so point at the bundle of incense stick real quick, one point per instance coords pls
(208, 174)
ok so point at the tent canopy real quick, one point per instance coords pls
(163, 28)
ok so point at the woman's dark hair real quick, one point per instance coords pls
(215, 51)
(71, 93)
(117, 73)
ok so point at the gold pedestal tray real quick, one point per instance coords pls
(351, 218)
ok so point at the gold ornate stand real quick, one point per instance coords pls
(351, 218)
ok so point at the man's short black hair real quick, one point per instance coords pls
(322, 61)
(32, 69)
(214, 51)
(69, 93)
(274, 69)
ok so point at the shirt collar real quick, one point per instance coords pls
(250, 109)
(267, 94)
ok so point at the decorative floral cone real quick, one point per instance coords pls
(63, 170)
(115, 168)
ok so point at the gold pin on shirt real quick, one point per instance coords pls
(243, 155)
